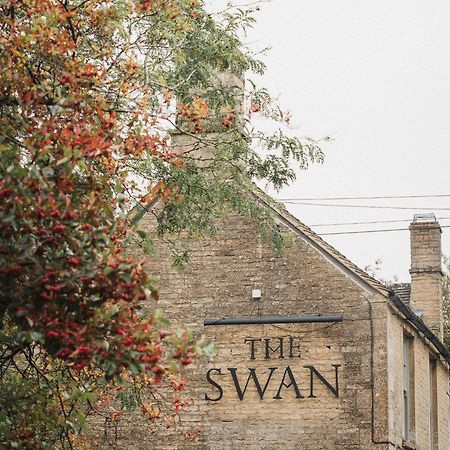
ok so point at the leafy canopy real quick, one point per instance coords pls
(90, 95)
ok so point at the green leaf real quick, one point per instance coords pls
(209, 349)
(158, 314)
(141, 234)
(37, 336)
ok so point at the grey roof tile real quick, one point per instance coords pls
(403, 290)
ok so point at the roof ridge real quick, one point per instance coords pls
(328, 248)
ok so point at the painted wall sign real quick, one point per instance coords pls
(273, 382)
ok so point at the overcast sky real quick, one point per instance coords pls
(376, 76)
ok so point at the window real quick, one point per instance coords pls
(433, 405)
(408, 388)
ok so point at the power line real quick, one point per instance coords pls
(367, 223)
(370, 231)
(367, 206)
(365, 198)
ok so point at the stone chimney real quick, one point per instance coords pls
(200, 149)
(426, 271)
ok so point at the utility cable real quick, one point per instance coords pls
(370, 231)
(367, 206)
(367, 223)
(364, 198)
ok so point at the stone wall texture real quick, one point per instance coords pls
(365, 350)
(421, 353)
(426, 273)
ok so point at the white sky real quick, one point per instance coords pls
(376, 76)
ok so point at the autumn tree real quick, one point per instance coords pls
(90, 93)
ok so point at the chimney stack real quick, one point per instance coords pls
(233, 86)
(426, 271)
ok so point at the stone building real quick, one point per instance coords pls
(311, 352)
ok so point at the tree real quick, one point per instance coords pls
(88, 96)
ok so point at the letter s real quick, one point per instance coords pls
(213, 383)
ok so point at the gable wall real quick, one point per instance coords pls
(217, 282)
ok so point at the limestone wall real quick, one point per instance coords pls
(421, 353)
(218, 282)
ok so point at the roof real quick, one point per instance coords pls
(403, 290)
(398, 294)
(318, 241)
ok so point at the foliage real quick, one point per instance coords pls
(47, 404)
(374, 271)
(88, 94)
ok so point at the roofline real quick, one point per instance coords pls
(376, 287)
(370, 284)
(420, 325)
(351, 274)
(339, 260)
(138, 211)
